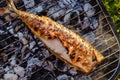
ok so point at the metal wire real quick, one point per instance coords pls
(106, 74)
(103, 67)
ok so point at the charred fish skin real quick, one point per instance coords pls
(73, 49)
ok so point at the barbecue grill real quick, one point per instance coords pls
(22, 52)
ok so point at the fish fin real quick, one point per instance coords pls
(11, 5)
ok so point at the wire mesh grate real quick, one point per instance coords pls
(19, 47)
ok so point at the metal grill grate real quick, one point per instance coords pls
(19, 47)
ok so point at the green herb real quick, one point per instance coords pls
(113, 8)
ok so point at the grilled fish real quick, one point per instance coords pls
(65, 44)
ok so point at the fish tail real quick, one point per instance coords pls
(11, 5)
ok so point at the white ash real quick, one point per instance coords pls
(26, 56)
(68, 16)
(56, 12)
(12, 60)
(36, 48)
(9, 27)
(19, 35)
(24, 40)
(88, 8)
(1, 31)
(19, 71)
(94, 23)
(37, 9)
(1, 69)
(48, 66)
(64, 77)
(11, 31)
(41, 44)
(46, 53)
(68, 3)
(90, 37)
(10, 76)
(78, 7)
(9, 69)
(32, 44)
(86, 23)
(29, 3)
(23, 78)
(73, 72)
(33, 62)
